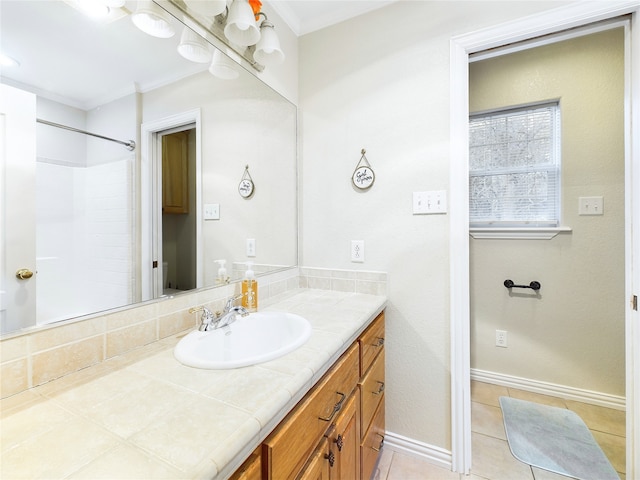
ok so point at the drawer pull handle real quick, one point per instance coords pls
(381, 443)
(336, 408)
(339, 442)
(379, 343)
(331, 457)
(380, 388)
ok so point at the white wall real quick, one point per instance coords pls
(381, 82)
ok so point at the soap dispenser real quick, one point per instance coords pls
(222, 277)
(250, 290)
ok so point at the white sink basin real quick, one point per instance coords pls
(256, 338)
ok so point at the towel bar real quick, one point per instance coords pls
(533, 285)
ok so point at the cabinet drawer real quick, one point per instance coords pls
(371, 391)
(250, 469)
(371, 343)
(287, 449)
(372, 444)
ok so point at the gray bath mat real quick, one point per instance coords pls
(554, 439)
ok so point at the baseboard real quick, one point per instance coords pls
(434, 455)
(552, 389)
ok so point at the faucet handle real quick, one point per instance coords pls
(207, 317)
(230, 301)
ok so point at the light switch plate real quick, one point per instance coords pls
(591, 206)
(425, 203)
(211, 211)
(251, 247)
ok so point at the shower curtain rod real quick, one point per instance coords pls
(131, 145)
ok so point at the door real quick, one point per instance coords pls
(177, 240)
(17, 231)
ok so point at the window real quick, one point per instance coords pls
(514, 168)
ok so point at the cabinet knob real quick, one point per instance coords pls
(331, 457)
(339, 442)
(379, 342)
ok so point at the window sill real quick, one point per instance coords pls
(518, 233)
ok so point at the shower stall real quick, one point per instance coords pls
(85, 221)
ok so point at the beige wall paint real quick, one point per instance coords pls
(382, 82)
(572, 334)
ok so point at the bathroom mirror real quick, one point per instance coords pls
(94, 233)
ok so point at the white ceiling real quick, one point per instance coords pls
(305, 16)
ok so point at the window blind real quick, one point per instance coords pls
(514, 167)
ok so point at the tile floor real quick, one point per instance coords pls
(492, 459)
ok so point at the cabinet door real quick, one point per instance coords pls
(318, 466)
(175, 173)
(344, 442)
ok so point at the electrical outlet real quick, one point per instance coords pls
(357, 251)
(501, 338)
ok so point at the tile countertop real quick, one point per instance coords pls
(144, 415)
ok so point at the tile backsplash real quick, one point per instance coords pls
(34, 357)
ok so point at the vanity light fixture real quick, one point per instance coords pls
(268, 51)
(152, 19)
(241, 27)
(223, 67)
(193, 47)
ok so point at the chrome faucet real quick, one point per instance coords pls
(212, 321)
(230, 313)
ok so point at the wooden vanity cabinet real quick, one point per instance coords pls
(336, 431)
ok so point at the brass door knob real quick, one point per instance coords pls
(24, 274)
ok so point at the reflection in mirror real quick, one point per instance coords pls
(95, 233)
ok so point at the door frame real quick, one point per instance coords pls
(151, 199)
(549, 22)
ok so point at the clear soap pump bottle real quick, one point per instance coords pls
(222, 277)
(250, 290)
